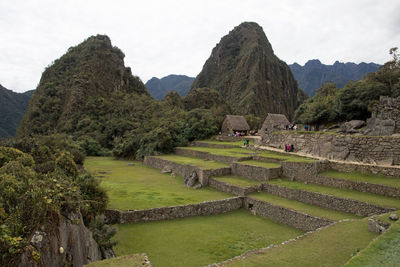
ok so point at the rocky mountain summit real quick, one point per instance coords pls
(85, 76)
(245, 70)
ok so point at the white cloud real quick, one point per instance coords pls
(165, 37)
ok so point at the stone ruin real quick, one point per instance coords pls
(385, 118)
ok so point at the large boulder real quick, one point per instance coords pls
(351, 126)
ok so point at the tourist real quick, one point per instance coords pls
(295, 127)
(291, 148)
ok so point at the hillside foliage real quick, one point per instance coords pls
(39, 181)
(355, 99)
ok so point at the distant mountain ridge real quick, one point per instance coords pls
(158, 88)
(313, 74)
(249, 76)
(12, 108)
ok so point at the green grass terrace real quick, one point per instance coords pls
(232, 152)
(201, 163)
(382, 201)
(260, 164)
(364, 177)
(200, 240)
(236, 180)
(331, 246)
(303, 207)
(143, 187)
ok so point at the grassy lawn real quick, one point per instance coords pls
(236, 180)
(332, 246)
(260, 163)
(285, 157)
(198, 241)
(364, 177)
(234, 143)
(345, 193)
(232, 152)
(384, 251)
(135, 260)
(201, 163)
(303, 207)
(143, 187)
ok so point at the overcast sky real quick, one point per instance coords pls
(176, 37)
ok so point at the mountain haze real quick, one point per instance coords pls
(244, 69)
(313, 74)
(12, 109)
(158, 88)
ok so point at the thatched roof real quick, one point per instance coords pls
(276, 120)
(238, 123)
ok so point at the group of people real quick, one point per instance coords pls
(291, 127)
(246, 142)
(289, 148)
(238, 134)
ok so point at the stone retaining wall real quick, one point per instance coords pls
(208, 156)
(185, 170)
(286, 216)
(368, 149)
(255, 172)
(327, 201)
(211, 145)
(224, 138)
(392, 171)
(170, 213)
(233, 189)
(354, 185)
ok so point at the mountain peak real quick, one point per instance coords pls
(244, 69)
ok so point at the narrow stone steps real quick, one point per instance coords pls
(312, 210)
(378, 200)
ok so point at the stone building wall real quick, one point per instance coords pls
(233, 189)
(326, 201)
(175, 212)
(255, 172)
(286, 216)
(185, 170)
(208, 156)
(367, 149)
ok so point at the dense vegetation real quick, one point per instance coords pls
(252, 80)
(354, 101)
(12, 109)
(158, 88)
(39, 181)
(313, 74)
(89, 94)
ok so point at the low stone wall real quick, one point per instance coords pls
(392, 171)
(302, 171)
(286, 216)
(265, 159)
(224, 138)
(368, 149)
(359, 186)
(211, 145)
(233, 189)
(170, 213)
(327, 201)
(208, 156)
(185, 170)
(255, 172)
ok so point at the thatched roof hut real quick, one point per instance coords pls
(274, 122)
(234, 123)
